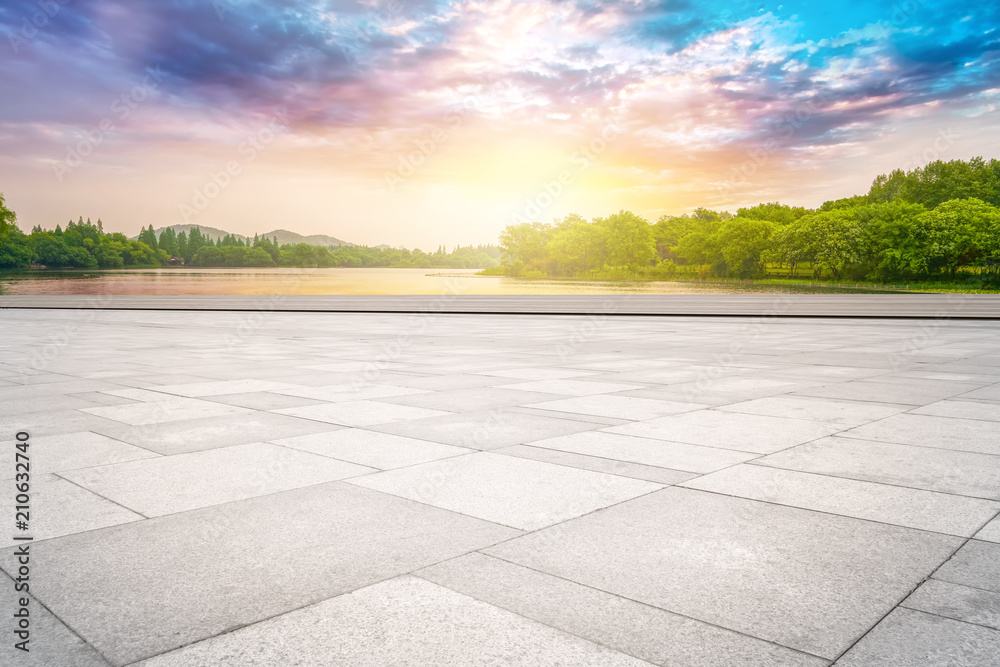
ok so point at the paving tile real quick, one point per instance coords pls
(962, 603)
(962, 473)
(990, 532)
(170, 484)
(720, 390)
(965, 435)
(62, 508)
(166, 410)
(27, 406)
(538, 373)
(990, 393)
(806, 580)
(652, 634)
(729, 430)
(174, 580)
(515, 492)
(404, 621)
(195, 435)
(961, 410)
(841, 413)
(442, 382)
(360, 413)
(222, 387)
(976, 564)
(50, 642)
(619, 407)
(372, 448)
(342, 393)
(901, 506)
(907, 638)
(470, 400)
(572, 387)
(262, 400)
(68, 451)
(486, 429)
(597, 464)
(646, 451)
(916, 392)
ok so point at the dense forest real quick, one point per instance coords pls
(85, 245)
(939, 222)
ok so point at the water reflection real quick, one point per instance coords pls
(193, 281)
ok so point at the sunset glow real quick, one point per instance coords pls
(427, 122)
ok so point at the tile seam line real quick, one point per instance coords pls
(639, 602)
(899, 604)
(737, 315)
(941, 616)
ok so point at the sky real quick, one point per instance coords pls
(425, 122)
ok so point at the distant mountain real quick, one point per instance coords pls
(283, 235)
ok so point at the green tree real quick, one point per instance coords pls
(629, 240)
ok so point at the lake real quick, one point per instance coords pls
(193, 281)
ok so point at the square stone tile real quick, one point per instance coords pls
(976, 564)
(511, 491)
(841, 413)
(730, 430)
(962, 410)
(27, 406)
(806, 580)
(967, 435)
(470, 400)
(900, 506)
(619, 407)
(263, 400)
(721, 390)
(342, 393)
(372, 448)
(361, 413)
(222, 387)
(597, 464)
(196, 435)
(990, 393)
(61, 508)
(50, 644)
(68, 451)
(486, 429)
(167, 582)
(906, 638)
(166, 410)
(572, 387)
(442, 382)
(404, 621)
(915, 392)
(961, 473)
(538, 373)
(962, 603)
(657, 636)
(646, 451)
(58, 422)
(171, 484)
(990, 532)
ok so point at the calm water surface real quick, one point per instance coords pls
(343, 281)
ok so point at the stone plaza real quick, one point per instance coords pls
(286, 488)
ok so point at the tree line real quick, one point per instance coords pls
(85, 245)
(937, 222)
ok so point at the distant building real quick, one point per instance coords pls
(175, 261)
